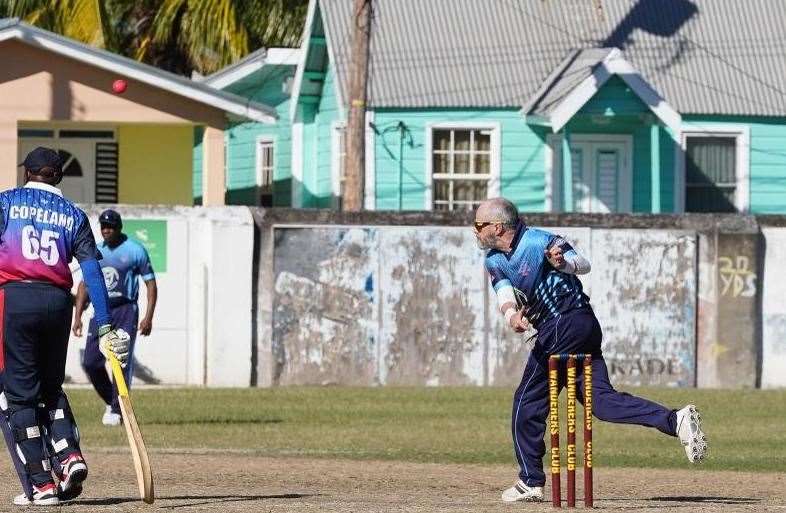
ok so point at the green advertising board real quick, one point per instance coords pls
(151, 233)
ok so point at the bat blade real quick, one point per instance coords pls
(144, 472)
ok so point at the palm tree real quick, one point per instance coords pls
(213, 33)
(88, 21)
(178, 35)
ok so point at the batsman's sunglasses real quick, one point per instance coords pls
(479, 225)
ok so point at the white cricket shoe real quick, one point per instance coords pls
(21, 500)
(45, 495)
(522, 492)
(111, 418)
(691, 436)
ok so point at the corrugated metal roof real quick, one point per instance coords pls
(703, 56)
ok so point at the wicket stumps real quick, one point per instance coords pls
(556, 494)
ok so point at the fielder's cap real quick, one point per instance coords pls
(42, 157)
(111, 218)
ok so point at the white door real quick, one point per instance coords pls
(78, 168)
(601, 174)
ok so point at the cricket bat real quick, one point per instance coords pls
(144, 474)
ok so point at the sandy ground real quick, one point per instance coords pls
(234, 482)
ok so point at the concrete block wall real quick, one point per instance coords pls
(773, 306)
(394, 305)
(276, 297)
(202, 329)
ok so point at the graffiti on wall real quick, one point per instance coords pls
(376, 306)
(737, 278)
(644, 294)
(413, 306)
(323, 308)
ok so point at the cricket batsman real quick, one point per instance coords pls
(533, 273)
(124, 261)
(40, 232)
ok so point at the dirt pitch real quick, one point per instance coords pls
(235, 482)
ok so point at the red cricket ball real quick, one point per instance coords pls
(119, 86)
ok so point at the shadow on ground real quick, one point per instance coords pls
(680, 501)
(194, 422)
(200, 499)
(703, 499)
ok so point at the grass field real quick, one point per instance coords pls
(441, 425)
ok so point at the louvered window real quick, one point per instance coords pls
(710, 174)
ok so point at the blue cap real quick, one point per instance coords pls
(111, 218)
(42, 157)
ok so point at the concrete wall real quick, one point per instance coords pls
(202, 329)
(412, 306)
(773, 312)
(316, 297)
(729, 334)
(401, 298)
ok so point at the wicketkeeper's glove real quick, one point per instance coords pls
(115, 342)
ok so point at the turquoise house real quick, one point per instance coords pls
(640, 106)
(258, 155)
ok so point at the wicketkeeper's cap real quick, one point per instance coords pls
(110, 218)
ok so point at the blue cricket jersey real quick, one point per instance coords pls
(122, 265)
(41, 232)
(543, 291)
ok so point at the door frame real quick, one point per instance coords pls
(553, 153)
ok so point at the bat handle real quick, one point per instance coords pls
(120, 380)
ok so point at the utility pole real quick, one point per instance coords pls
(356, 126)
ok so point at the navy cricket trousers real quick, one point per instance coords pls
(576, 331)
(35, 319)
(125, 316)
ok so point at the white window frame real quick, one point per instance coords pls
(264, 139)
(554, 144)
(493, 187)
(335, 159)
(742, 137)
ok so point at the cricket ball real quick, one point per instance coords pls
(119, 86)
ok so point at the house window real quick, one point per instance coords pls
(711, 174)
(265, 165)
(461, 167)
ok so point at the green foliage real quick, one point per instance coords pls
(178, 35)
(459, 425)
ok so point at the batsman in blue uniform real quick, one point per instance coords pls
(124, 262)
(534, 274)
(40, 232)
